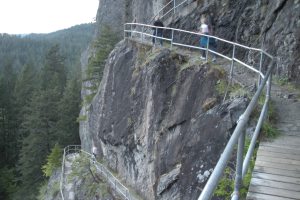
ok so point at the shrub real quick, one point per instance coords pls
(53, 161)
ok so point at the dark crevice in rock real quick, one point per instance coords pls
(273, 17)
(174, 126)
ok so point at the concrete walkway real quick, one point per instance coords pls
(276, 175)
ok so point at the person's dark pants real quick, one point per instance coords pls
(203, 53)
(159, 34)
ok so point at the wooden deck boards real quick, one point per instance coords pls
(276, 175)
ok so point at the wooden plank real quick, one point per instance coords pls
(289, 140)
(289, 148)
(274, 191)
(282, 144)
(262, 152)
(270, 170)
(278, 165)
(280, 150)
(274, 177)
(275, 184)
(259, 196)
(278, 160)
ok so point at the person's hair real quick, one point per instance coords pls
(203, 19)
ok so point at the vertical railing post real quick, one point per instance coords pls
(172, 37)
(269, 86)
(239, 166)
(260, 67)
(232, 64)
(155, 35)
(131, 30)
(124, 31)
(174, 6)
(142, 33)
(207, 46)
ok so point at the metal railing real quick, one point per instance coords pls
(67, 150)
(168, 9)
(238, 136)
(110, 178)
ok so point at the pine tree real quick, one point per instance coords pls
(103, 45)
(67, 126)
(40, 124)
(53, 161)
(7, 116)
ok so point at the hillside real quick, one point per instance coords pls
(19, 50)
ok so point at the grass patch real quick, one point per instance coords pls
(284, 82)
(81, 170)
(81, 118)
(268, 131)
(226, 185)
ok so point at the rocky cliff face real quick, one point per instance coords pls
(270, 25)
(155, 122)
(156, 118)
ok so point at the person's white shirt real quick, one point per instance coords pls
(94, 150)
(204, 28)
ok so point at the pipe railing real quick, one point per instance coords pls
(168, 8)
(238, 136)
(110, 178)
(138, 29)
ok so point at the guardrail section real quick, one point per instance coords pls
(115, 184)
(258, 61)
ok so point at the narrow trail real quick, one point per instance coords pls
(276, 174)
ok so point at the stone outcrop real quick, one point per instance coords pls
(160, 124)
(147, 119)
(271, 25)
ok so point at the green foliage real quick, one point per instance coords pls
(43, 191)
(53, 161)
(69, 106)
(39, 103)
(7, 184)
(51, 192)
(32, 48)
(281, 80)
(88, 98)
(226, 184)
(268, 130)
(82, 118)
(91, 188)
(221, 87)
(103, 45)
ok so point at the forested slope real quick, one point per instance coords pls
(40, 82)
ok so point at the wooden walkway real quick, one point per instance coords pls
(276, 175)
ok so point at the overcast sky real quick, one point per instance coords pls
(44, 16)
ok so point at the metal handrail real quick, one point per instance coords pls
(161, 16)
(174, 30)
(238, 136)
(116, 184)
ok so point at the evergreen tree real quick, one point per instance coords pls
(54, 72)
(103, 45)
(53, 161)
(68, 127)
(40, 123)
(7, 116)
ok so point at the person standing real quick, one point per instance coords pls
(157, 32)
(203, 39)
(94, 152)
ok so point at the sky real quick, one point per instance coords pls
(44, 16)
